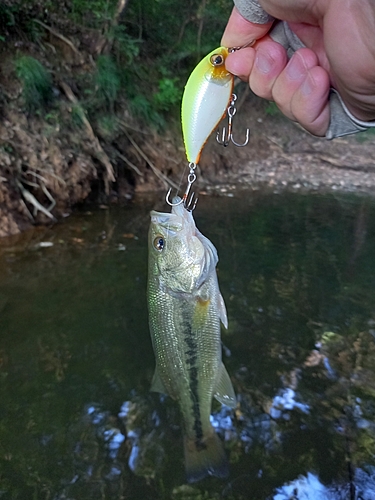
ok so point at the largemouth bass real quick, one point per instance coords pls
(185, 310)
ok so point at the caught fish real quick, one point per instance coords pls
(205, 101)
(185, 310)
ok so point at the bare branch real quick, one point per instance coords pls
(99, 152)
(31, 199)
(61, 37)
(167, 182)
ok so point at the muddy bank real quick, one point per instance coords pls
(48, 168)
(51, 162)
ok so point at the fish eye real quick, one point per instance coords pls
(159, 243)
(217, 60)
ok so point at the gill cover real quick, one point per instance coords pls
(205, 100)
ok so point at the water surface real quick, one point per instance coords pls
(77, 420)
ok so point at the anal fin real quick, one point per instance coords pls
(224, 391)
(157, 384)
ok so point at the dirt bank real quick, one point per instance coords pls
(53, 160)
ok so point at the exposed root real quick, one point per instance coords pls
(62, 38)
(30, 198)
(166, 181)
(98, 151)
(130, 164)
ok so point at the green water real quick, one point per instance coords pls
(77, 420)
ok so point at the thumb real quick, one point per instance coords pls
(239, 31)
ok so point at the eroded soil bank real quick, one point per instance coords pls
(53, 160)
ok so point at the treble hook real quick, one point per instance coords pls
(224, 141)
(189, 203)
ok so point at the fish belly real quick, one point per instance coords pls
(185, 333)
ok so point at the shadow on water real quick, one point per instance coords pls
(77, 420)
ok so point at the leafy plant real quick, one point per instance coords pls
(365, 136)
(144, 109)
(92, 12)
(125, 47)
(108, 82)
(108, 126)
(36, 82)
(77, 115)
(272, 109)
(169, 94)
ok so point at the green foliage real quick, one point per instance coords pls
(125, 47)
(108, 126)
(7, 18)
(143, 108)
(168, 95)
(107, 80)
(366, 136)
(149, 51)
(77, 114)
(92, 12)
(272, 109)
(18, 18)
(36, 82)
(189, 29)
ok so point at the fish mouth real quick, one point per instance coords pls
(179, 218)
(161, 217)
(169, 221)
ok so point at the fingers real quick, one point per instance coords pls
(299, 87)
(270, 61)
(240, 63)
(306, 11)
(239, 31)
(301, 92)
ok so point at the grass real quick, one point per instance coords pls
(36, 83)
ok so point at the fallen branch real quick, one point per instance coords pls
(60, 37)
(167, 182)
(31, 199)
(99, 152)
(362, 164)
(129, 163)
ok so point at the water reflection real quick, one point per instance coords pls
(77, 420)
(310, 488)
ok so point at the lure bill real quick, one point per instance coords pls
(205, 101)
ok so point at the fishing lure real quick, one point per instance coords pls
(207, 97)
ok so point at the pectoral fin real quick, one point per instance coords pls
(224, 391)
(157, 383)
(222, 311)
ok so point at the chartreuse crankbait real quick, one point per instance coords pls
(207, 97)
(205, 101)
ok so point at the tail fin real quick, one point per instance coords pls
(205, 457)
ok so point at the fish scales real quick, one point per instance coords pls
(185, 309)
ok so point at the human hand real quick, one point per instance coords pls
(339, 53)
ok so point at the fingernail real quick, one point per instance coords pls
(264, 62)
(295, 68)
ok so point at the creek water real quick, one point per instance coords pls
(77, 420)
